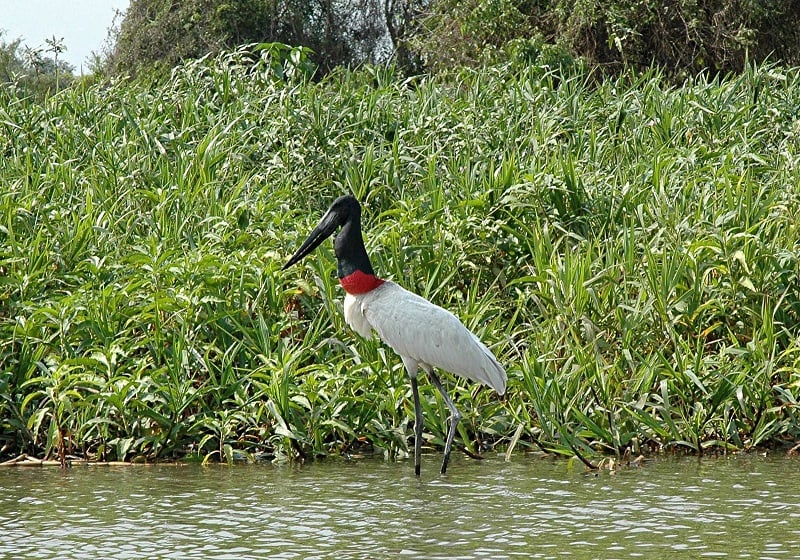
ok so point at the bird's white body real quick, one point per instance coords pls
(422, 334)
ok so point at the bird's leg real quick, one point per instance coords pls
(455, 418)
(417, 425)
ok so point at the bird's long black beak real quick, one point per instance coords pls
(325, 228)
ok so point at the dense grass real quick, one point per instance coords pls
(628, 249)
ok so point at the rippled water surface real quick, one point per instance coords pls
(738, 507)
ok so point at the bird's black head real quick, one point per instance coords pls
(349, 245)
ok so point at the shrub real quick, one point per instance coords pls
(156, 36)
(681, 37)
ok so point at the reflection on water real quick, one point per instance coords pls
(738, 507)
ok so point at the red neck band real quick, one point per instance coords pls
(360, 283)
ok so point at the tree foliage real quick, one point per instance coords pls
(679, 36)
(36, 71)
(156, 35)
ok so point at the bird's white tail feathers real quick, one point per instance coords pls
(494, 373)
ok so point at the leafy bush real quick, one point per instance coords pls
(682, 37)
(156, 36)
(31, 70)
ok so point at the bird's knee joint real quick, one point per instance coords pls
(455, 417)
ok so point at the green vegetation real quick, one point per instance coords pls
(682, 37)
(35, 71)
(628, 249)
(155, 36)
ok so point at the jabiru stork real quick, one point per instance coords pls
(424, 335)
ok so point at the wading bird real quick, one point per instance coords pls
(423, 334)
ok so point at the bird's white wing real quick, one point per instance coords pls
(417, 329)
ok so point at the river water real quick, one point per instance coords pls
(733, 507)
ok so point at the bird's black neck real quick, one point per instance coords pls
(351, 255)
